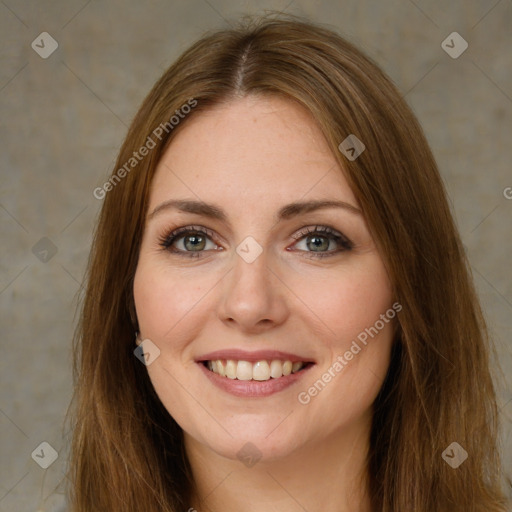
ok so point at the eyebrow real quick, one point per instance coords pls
(216, 212)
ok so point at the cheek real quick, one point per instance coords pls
(163, 298)
(350, 308)
(348, 381)
(347, 300)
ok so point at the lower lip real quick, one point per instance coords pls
(253, 388)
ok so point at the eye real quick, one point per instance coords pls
(319, 239)
(189, 241)
(192, 241)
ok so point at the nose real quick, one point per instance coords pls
(254, 299)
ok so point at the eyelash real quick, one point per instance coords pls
(166, 241)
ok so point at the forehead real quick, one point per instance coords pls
(246, 148)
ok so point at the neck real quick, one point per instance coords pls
(329, 475)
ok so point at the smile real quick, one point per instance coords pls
(258, 371)
(255, 373)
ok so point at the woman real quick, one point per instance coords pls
(279, 313)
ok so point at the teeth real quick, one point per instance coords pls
(244, 370)
(276, 369)
(260, 371)
(296, 367)
(230, 369)
(220, 369)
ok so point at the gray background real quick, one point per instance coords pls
(63, 120)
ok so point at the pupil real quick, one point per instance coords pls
(317, 242)
(195, 242)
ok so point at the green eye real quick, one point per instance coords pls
(195, 239)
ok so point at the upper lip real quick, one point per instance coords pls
(253, 356)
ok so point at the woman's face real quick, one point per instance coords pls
(259, 278)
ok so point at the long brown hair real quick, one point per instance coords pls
(127, 452)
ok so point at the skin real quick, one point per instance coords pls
(251, 156)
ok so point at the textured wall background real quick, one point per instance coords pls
(63, 120)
